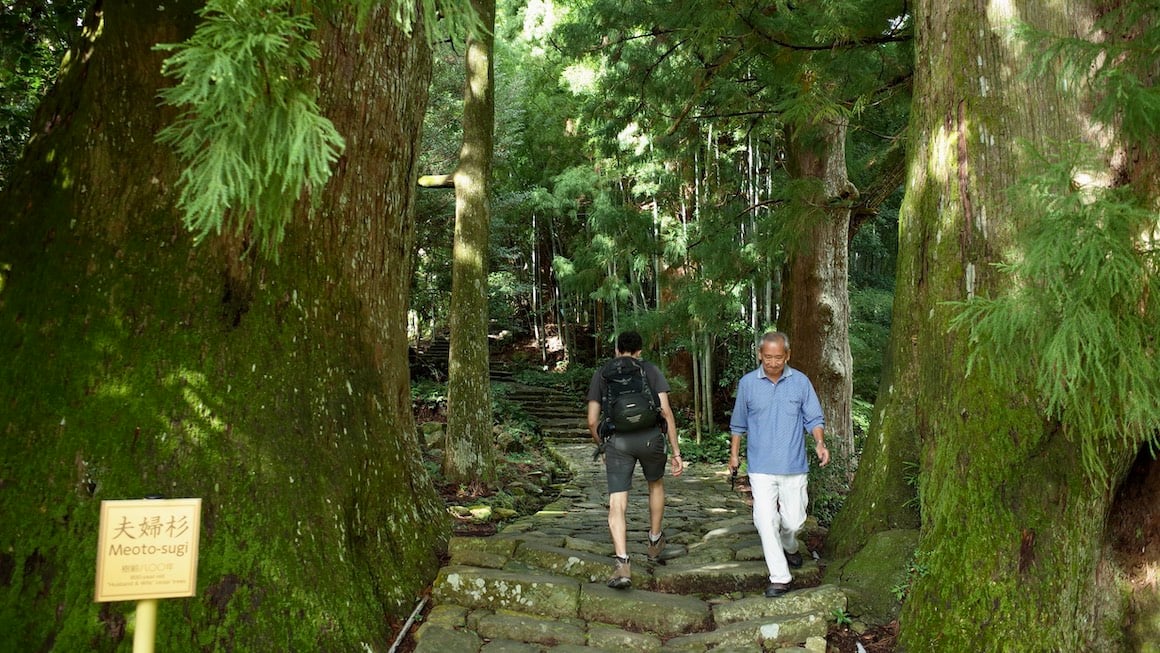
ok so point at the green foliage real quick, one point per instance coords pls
(251, 135)
(33, 39)
(440, 18)
(740, 356)
(870, 313)
(713, 449)
(841, 617)
(829, 487)
(573, 379)
(915, 570)
(429, 395)
(1080, 317)
(874, 248)
(506, 294)
(683, 109)
(860, 412)
(1120, 69)
(510, 414)
(913, 476)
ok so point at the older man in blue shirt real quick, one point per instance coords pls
(776, 405)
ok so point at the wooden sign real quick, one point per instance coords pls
(147, 549)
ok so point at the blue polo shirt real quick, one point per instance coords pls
(774, 418)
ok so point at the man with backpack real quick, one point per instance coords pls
(628, 408)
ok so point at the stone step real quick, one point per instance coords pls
(666, 615)
(585, 566)
(452, 629)
(765, 634)
(551, 410)
(535, 401)
(497, 589)
(563, 423)
(822, 599)
(721, 576)
(569, 437)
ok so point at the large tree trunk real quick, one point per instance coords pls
(816, 297)
(470, 451)
(1011, 523)
(135, 363)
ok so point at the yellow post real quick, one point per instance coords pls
(145, 632)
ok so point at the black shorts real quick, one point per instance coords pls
(622, 452)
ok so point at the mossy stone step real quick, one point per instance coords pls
(549, 406)
(568, 437)
(564, 422)
(822, 599)
(533, 593)
(768, 634)
(528, 628)
(581, 565)
(664, 615)
(724, 576)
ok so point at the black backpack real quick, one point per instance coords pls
(629, 403)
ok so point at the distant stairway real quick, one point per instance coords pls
(561, 416)
(431, 361)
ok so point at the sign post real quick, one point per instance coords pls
(147, 550)
(145, 632)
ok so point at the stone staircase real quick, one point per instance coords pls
(562, 417)
(430, 360)
(539, 584)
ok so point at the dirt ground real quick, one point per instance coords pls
(875, 640)
(1134, 528)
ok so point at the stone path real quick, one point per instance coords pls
(539, 584)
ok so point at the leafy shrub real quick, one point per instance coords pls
(428, 398)
(573, 379)
(828, 488)
(713, 448)
(870, 312)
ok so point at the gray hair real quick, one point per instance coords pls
(775, 336)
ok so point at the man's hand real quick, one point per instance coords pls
(734, 465)
(677, 465)
(823, 453)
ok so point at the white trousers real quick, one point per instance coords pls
(779, 510)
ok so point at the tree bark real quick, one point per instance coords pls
(470, 452)
(815, 291)
(277, 392)
(1009, 549)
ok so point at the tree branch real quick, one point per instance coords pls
(891, 173)
(437, 181)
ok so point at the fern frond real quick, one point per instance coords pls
(244, 84)
(1080, 313)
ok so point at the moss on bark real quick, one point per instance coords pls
(1011, 522)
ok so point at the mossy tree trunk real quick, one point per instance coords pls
(136, 363)
(816, 296)
(882, 496)
(1011, 523)
(470, 452)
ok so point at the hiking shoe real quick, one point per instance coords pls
(776, 589)
(621, 575)
(794, 559)
(655, 547)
